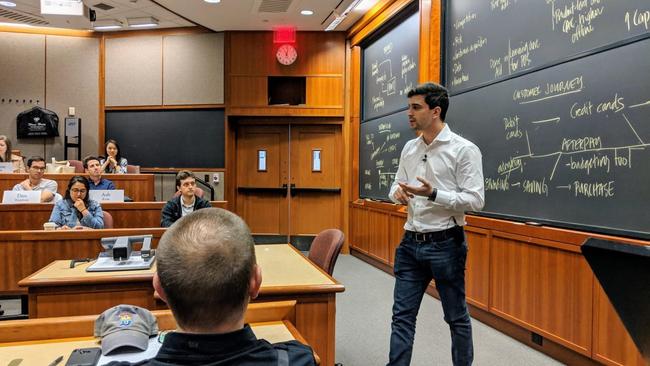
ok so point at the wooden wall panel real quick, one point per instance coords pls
(477, 284)
(22, 57)
(539, 287)
(143, 55)
(360, 229)
(193, 71)
(379, 235)
(248, 91)
(396, 230)
(324, 91)
(73, 81)
(612, 344)
(313, 212)
(321, 59)
(253, 53)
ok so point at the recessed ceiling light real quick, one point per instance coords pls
(107, 24)
(16, 25)
(306, 12)
(8, 4)
(212, 1)
(142, 22)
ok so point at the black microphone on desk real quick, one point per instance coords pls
(424, 159)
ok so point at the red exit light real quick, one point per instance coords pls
(284, 34)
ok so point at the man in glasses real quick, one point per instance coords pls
(36, 182)
(440, 176)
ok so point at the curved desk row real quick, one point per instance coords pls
(139, 187)
(31, 216)
(287, 275)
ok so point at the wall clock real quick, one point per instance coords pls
(286, 54)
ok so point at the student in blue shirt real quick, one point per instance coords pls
(77, 211)
(94, 171)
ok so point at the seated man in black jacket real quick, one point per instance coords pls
(207, 274)
(184, 203)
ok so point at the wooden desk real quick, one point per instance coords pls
(31, 216)
(38, 341)
(57, 290)
(25, 252)
(139, 187)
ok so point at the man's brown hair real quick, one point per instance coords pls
(205, 261)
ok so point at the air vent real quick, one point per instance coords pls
(103, 6)
(22, 17)
(274, 6)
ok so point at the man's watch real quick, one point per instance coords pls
(434, 193)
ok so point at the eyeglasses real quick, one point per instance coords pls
(39, 168)
(75, 190)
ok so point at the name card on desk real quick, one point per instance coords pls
(13, 197)
(104, 195)
(6, 167)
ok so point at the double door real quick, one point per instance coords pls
(289, 181)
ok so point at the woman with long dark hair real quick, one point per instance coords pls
(77, 211)
(6, 155)
(114, 163)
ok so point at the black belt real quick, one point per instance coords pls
(434, 235)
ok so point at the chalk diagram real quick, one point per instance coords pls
(588, 157)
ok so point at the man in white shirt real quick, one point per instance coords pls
(440, 176)
(36, 182)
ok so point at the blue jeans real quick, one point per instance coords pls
(416, 263)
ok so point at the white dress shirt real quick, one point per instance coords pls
(451, 164)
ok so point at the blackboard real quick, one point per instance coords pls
(390, 70)
(567, 145)
(380, 146)
(169, 138)
(493, 40)
(390, 67)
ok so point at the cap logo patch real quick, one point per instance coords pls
(125, 319)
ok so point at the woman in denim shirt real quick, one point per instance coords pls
(76, 211)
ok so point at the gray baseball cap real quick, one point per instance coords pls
(125, 326)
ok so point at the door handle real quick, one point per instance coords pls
(284, 190)
(292, 189)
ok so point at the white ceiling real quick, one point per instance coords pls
(226, 15)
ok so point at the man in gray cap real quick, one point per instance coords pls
(207, 274)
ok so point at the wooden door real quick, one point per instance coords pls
(262, 199)
(316, 173)
(299, 193)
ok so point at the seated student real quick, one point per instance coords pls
(94, 171)
(207, 274)
(184, 203)
(36, 182)
(114, 163)
(6, 155)
(76, 210)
